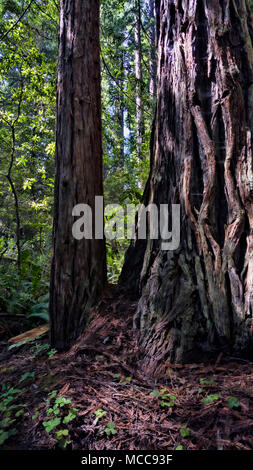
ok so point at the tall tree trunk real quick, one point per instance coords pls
(152, 55)
(120, 112)
(139, 77)
(199, 299)
(78, 266)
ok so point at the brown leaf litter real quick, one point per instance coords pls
(101, 371)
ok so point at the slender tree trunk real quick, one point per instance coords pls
(120, 113)
(78, 267)
(152, 55)
(12, 126)
(198, 299)
(138, 73)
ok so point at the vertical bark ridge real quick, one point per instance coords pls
(198, 299)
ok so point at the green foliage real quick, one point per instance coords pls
(72, 414)
(100, 413)
(211, 398)
(51, 424)
(37, 349)
(117, 376)
(27, 87)
(62, 438)
(51, 353)
(207, 381)
(40, 309)
(155, 393)
(165, 398)
(233, 402)
(28, 69)
(126, 381)
(60, 413)
(123, 380)
(185, 432)
(4, 435)
(9, 412)
(169, 403)
(110, 429)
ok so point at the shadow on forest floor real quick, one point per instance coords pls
(96, 394)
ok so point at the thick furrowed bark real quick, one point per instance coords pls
(199, 299)
(78, 266)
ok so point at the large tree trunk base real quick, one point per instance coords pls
(181, 327)
(198, 301)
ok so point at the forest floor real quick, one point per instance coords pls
(96, 398)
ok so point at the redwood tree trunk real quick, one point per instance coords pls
(199, 299)
(78, 266)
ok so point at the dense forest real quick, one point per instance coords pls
(126, 225)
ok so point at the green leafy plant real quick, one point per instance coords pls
(51, 424)
(52, 394)
(59, 413)
(126, 381)
(207, 381)
(4, 435)
(39, 348)
(100, 413)
(233, 402)
(185, 432)
(72, 414)
(40, 310)
(110, 429)
(155, 394)
(62, 438)
(117, 376)
(211, 398)
(166, 399)
(51, 353)
(9, 411)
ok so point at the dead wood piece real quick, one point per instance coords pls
(29, 335)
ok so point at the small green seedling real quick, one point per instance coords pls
(155, 394)
(211, 398)
(52, 394)
(126, 381)
(117, 376)
(72, 414)
(207, 382)
(62, 401)
(111, 429)
(167, 400)
(51, 424)
(233, 402)
(62, 438)
(52, 353)
(100, 413)
(185, 432)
